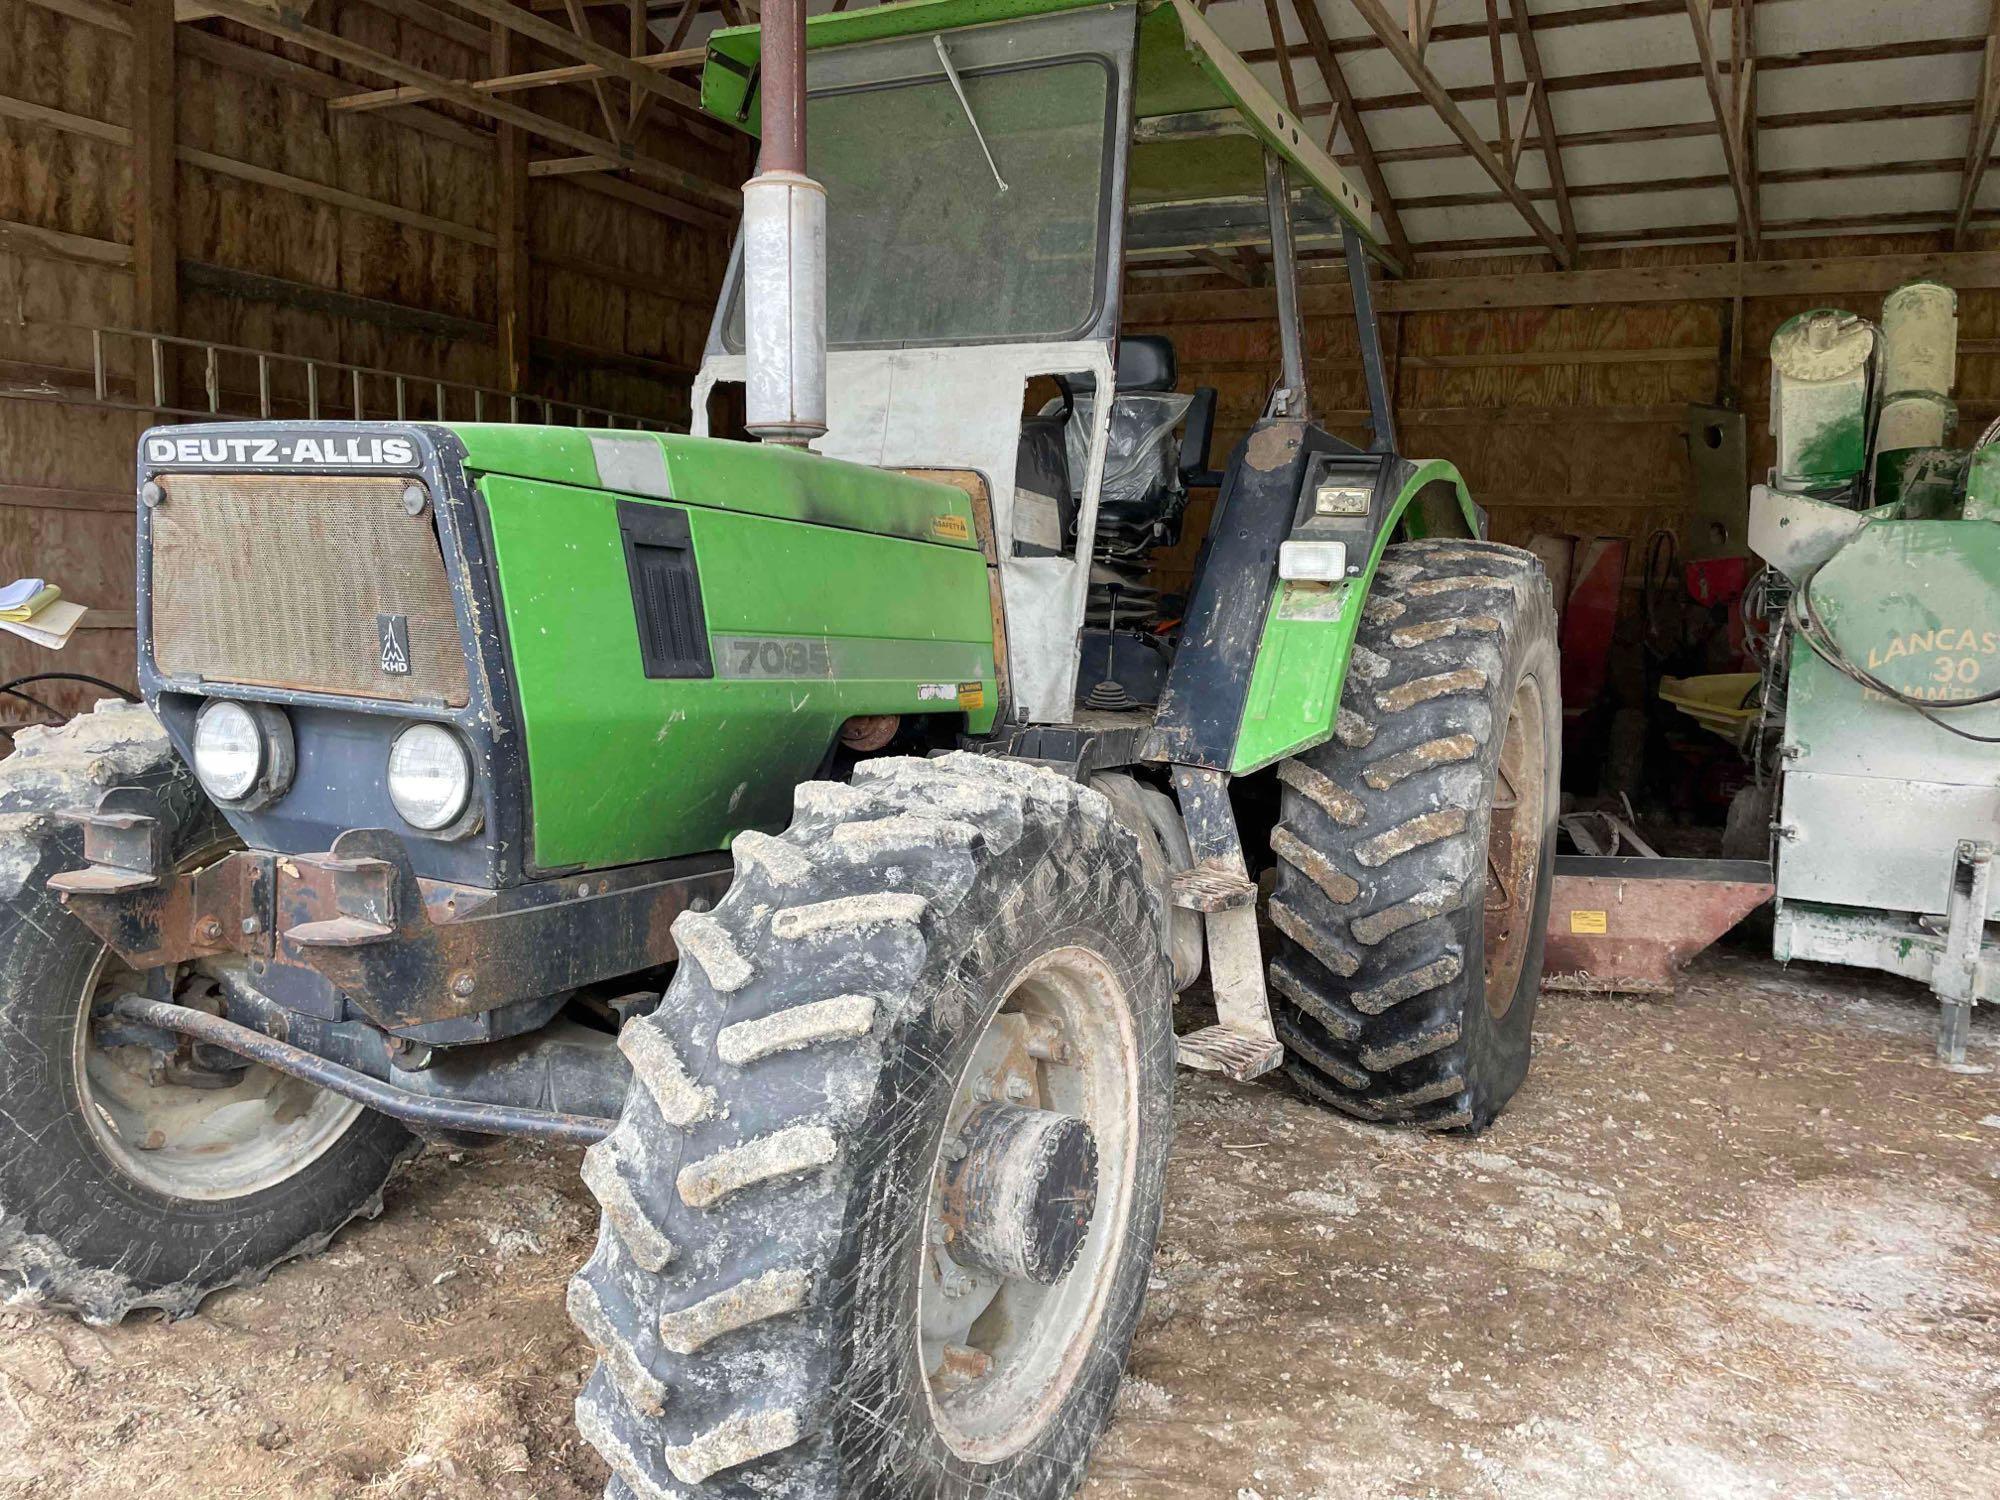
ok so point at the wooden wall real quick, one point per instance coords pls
(372, 238)
(1566, 418)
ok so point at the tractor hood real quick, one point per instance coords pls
(749, 478)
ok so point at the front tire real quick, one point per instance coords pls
(120, 1188)
(785, 1297)
(1416, 849)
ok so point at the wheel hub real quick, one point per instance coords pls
(1018, 1202)
(1029, 1204)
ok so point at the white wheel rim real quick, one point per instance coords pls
(1034, 1340)
(202, 1145)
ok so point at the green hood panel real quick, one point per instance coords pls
(749, 478)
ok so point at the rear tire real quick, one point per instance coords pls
(768, 1295)
(98, 1215)
(1412, 910)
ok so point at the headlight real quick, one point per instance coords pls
(242, 751)
(430, 777)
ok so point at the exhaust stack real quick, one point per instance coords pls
(784, 251)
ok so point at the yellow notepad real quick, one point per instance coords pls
(41, 601)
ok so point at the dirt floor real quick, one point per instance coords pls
(1747, 1243)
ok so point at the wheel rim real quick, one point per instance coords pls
(1514, 846)
(204, 1144)
(999, 1353)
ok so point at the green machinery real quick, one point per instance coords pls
(818, 829)
(1888, 678)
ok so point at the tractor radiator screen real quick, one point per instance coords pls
(317, 584)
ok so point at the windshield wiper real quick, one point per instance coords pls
(966, 105)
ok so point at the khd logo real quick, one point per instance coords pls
(394, 633)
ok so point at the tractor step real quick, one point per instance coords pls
(1240, 1055)
(1206, 888)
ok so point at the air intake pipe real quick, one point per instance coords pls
(784, 250)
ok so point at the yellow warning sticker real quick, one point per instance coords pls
(952, 528)
(972, 695)
(1588, 922)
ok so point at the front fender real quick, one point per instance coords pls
(1309, 628)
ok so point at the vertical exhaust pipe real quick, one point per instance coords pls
(784, 250)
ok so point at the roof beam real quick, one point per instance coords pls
(1348, 118)
(1728, 122)
(1985, 128)
(508, 84)
(1284, 55)
(1438, 97)
(717, 205)
(1545, 121)
(1423, 17)
(583, 49)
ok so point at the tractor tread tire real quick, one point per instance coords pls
(757, 1190)
(54, 1249)
(1377, 982)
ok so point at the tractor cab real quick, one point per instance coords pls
(990, 171)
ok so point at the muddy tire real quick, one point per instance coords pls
(92, 1218)
(768, 1296)
(1412, 908)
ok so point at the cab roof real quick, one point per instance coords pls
(1203, 119)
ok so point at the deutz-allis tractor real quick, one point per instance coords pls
(848, 794)
(1882, 704)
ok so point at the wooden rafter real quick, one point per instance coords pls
(154, 141)
(1291, 84)
(613, 126)
(582, 48)
(1434, 93)
(512, 263)
(1510, 148)
(1233, 266)
(1728, 123)
(1743, 98)
(1545, 121)
(1422, 18)
(1347, 118)
(717, 205)
(1985, 130)
(508, 83)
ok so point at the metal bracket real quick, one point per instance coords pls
(1245, 1044)
(1956, 978)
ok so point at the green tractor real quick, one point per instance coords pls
(821, 836)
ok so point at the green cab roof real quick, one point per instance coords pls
(1189, 83)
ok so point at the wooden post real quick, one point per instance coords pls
(155, 135)
(510, 275)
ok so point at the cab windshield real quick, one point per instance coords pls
(924, 246)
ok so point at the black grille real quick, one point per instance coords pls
(666, 593)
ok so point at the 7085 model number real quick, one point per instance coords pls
(752, 656)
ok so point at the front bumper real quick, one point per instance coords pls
(357, 929)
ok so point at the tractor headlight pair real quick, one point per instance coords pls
(244, 755)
